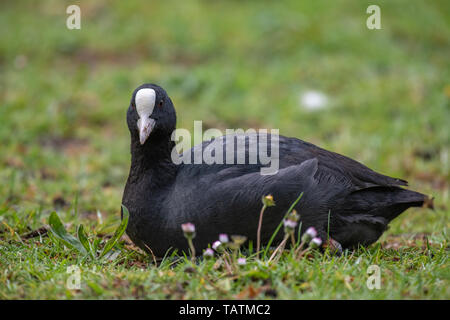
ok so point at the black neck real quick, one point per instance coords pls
(153, 159)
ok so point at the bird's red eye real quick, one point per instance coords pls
(160, 103)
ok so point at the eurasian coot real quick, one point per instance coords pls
(342, 198)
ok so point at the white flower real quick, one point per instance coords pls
(188, 230)
(309, 234)
(216, 245)
(241, 261)
(291, 224)
(223, 238)
(188, 227)
(313, 100)
(208, 253)
(315, 243)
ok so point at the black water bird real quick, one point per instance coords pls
(343, 199)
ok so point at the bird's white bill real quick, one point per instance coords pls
(145, 126)
(145, 102)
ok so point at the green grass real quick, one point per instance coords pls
(232, 64)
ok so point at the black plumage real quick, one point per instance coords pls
(355, 202)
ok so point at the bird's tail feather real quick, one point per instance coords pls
(386, 202)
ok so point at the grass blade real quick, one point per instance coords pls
(119, 232)
(58, 230)
(280, 224)
(82, 237)
(299, 239)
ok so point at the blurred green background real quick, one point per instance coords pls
(232, 64)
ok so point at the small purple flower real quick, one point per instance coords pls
(217, 245)
(208, 253)
(310, 233)
(241, 261)
(223, 238)
(188, 230)
(290, 224)
(315, 243)
(188, 227)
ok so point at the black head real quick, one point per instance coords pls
(151, 115)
